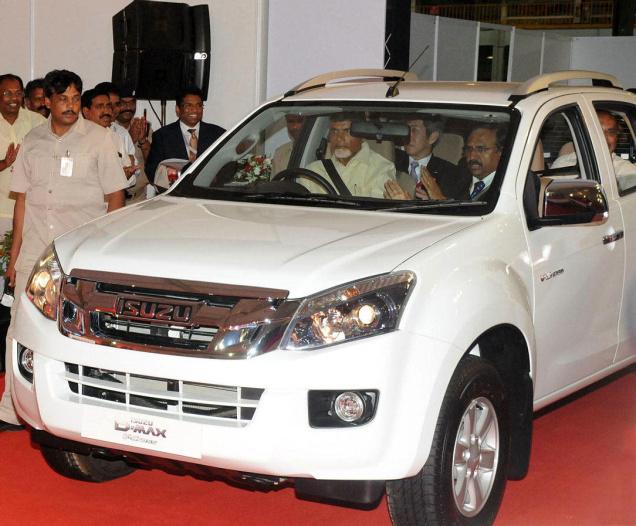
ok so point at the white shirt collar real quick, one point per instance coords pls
(422, 162)
(486, 180)
(185, 128)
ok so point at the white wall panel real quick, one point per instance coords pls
(556, 52)
(15, 38)
(422, 35)
(526, 55)
(456, 49)
(307, 38)
(613, 55)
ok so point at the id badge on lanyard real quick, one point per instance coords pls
(66, 165)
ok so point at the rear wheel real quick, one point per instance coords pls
(84, 467)
(463, 480)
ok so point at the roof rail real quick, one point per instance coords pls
(541, 82)
(325, 78)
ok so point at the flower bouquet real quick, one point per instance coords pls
(253, 169)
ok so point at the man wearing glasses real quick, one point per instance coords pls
(624, 170)
(15, 123)
(186, 138)
(482, 152)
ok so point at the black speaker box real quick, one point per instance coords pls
(153, 57)
(145, 24)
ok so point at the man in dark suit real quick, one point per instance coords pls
(421, 174)
(186, 138)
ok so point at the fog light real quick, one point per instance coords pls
(349, 406)
(341, 408)
(25, 362)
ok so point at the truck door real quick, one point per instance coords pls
(577, 269)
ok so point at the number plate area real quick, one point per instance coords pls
(143, 431)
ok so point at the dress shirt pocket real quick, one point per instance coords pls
(84, 164)
(44, 170)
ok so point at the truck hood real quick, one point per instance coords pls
(299, 249)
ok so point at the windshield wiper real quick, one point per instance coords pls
(430, 205)
(318, 199)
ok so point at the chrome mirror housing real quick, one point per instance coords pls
(571, 202)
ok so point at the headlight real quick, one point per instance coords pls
(356, 310)
(43, 288)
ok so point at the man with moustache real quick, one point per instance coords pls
(624, 171)
(363, 171)
(34, 97)
(482, 152)
(15, 123)
(96, 107)
(186, 138)
(67, 173)
(137, 127)
(114, 93)
(137, 131)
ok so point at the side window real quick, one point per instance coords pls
(617, 122)
(563, 141)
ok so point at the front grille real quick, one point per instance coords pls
(164, 396)
(170, 316)
(105, 325)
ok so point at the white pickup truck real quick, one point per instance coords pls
(277, 317)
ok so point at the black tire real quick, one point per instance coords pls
(429, 498)
(84, 467)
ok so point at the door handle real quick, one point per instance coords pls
(611, 238)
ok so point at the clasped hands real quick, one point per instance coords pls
(426, 189)
(10, 156)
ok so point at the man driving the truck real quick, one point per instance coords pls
(362, 170)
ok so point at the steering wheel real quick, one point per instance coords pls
(291, 174)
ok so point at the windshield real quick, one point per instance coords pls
(397, 158)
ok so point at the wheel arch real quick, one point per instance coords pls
(506, 348)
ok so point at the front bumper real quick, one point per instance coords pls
(409, 371)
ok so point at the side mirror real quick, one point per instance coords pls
(168, 172)
(571, 202)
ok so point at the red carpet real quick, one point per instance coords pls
(582, 473)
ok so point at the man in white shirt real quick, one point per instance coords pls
(15, 123)
(624, 171)
(97, 107)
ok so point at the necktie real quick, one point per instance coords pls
(413, 171)
(192, 144)
(477, 189)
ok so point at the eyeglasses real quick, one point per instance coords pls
(7, 94)
(478, 149)
(339, 131)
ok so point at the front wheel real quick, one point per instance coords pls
(85, 467)
(463, 480)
